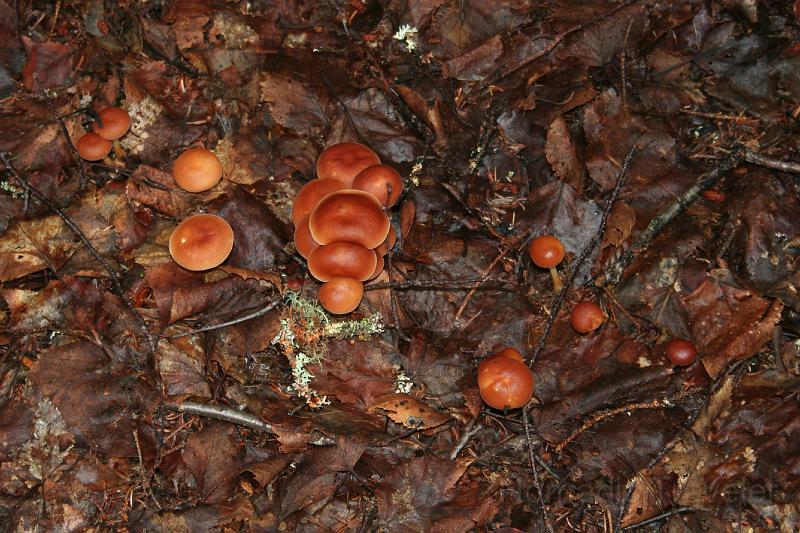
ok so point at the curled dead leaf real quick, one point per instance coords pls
(620, 223)
(409, 411)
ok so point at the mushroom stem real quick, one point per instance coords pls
(556, 279)
(118, 151)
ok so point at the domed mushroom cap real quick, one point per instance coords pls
(586, 317)
(197, 170)
(504, 382)
(116, 123)
(303, 240)
(379, 180)
(349, 215)
(546, 251)
(92, 147)
(201, 242)
(344, 161)
(309, 196)
(341, 295)
(341, 260)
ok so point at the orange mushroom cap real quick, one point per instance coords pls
(197, 170)
(341, 260)
(504, 382)
(341, 295)
(116, 123)
(508, 351)
(344, 161)
(310, 195)
(546, 251)
(303, 240)
(379, 263)
(349, 215)
(92, 147)
(201, 242)
(388, 243)
(680, 352)
(378, 180)
(586, 317)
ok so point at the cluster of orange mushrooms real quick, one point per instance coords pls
(341, 224)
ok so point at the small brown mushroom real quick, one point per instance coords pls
(303, 240)
(381, 181)
(116, 123)
(92, 147)
(310, 195)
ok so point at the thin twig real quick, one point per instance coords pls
(227, 414)
(768, 162)
(151, 339)
(531, 457)
(255, 314)
(444, 285)
(475, 288)
(612, 274)
(659, 518)
(470, 430)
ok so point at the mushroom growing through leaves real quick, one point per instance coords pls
(680, 352)
(547, 251)
(504, 381)
(197, 170)
(343, 161)
(586, 317)
(201, 242)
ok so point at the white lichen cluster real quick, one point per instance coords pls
(143, 114)
(305, 328)
(43, 455)
(233, 29)
(407, 34)
(402, 383)
(416, 170)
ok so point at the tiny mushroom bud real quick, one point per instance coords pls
(116, 123)
(349, 215)
(310, 195)
(344, 161)
(547, 251)
(92, 147)
(586, 317)
(341, 295)
(197, 170)
(303, 240)
(201, 242)
(381, 181)
(341, 260)
(505, 382)
(680, 352)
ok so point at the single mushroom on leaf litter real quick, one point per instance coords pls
(341, 295)
(586, 317)
(201, 242)
(343, 162)
(680, 352)
(504, 381)
(547, 251)
(197, 170)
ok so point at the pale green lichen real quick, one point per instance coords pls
(304, 332)
(407, 34)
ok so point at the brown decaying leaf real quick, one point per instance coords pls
(562, 154)
(49, 64)
(621, 221)
(409, 411)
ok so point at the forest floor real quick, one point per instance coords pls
(657, 140)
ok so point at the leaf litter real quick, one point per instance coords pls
(509, 120)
